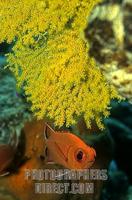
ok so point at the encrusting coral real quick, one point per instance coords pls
(50, 59)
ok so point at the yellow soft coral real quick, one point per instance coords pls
(29, 18)
(50, 59)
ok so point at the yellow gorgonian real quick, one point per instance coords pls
(50, 59)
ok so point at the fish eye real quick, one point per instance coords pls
(80, 155)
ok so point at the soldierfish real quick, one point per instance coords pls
(67, 149)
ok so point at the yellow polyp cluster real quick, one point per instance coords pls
(26, 19)
(50, 59)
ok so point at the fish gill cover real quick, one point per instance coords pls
(50, 59)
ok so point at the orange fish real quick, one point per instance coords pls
(67, 149)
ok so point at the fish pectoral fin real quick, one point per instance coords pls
(49, 159)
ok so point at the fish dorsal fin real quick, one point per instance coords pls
(48, 130)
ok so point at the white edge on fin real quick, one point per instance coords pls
(46, 125)
(4, 174)
(50, 163)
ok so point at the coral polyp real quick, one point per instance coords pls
(50, 59)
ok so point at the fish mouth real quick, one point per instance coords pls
(91, 162)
